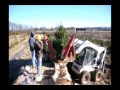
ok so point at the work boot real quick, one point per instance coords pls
(38, 78)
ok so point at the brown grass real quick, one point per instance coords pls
(89, 34)
(16, 39)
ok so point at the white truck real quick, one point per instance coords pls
(89, 61)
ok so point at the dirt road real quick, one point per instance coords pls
(17, 48)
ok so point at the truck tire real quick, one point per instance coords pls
(97, 75)
(84, 77)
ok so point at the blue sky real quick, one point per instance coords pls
(52, 15)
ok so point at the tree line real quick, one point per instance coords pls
(18, 27)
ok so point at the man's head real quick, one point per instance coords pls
(43, 33)
(32, 34)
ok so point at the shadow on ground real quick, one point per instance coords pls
(48, 72)
(47, 64)
(16, 64)
(14, 68)
(47, 81)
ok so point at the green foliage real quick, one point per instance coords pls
(51, 38)
(108, 44)
(61, 33)
(109, 50)
(61, 28)
(57, 47)
(59, 40)
(46, 50)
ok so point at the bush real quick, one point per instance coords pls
(51, 38)
(59, 40)
(45, 50)
(109, 50)
(60, 34)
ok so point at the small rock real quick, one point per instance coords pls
(27, 68)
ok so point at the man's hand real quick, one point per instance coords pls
(39, 44)
(41, 53)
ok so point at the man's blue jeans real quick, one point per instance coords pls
(33, 58)
(39, 66)
(37, 62)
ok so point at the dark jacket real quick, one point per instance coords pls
(31, 41)
(38, 49)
